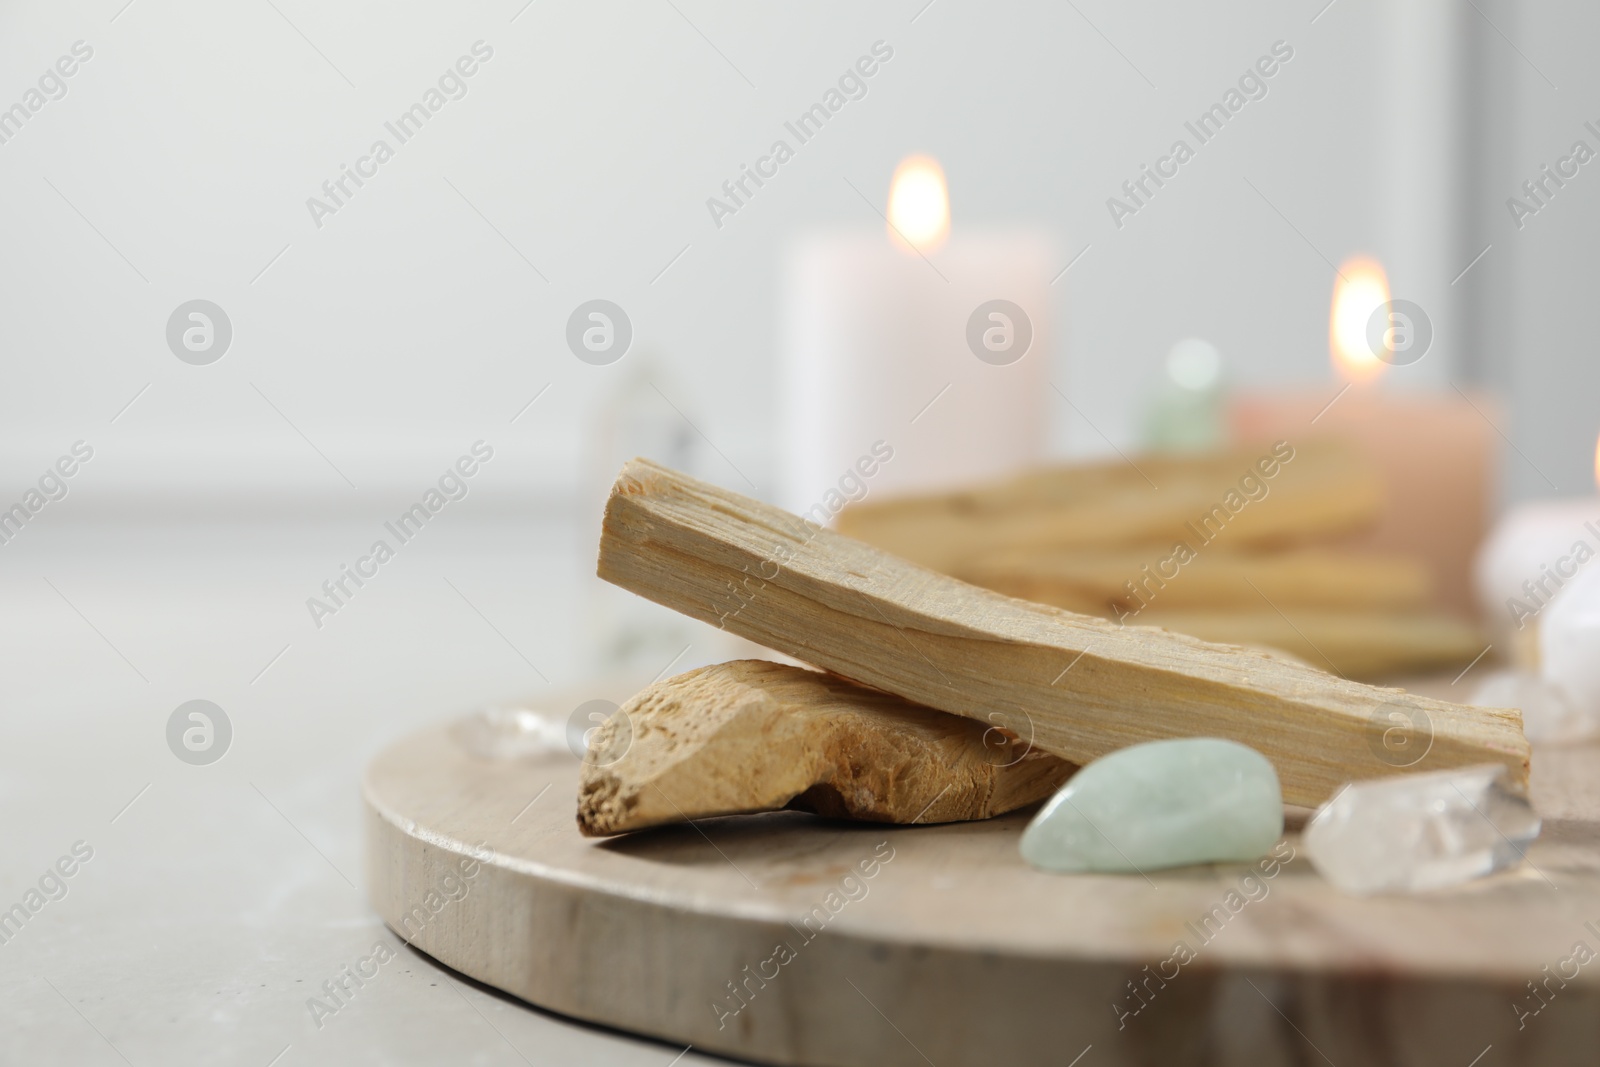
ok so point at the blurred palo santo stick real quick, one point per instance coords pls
(1357, 644)
(752, 736)
(1359, 615)
(1274, 494)
(1122, 583)
(1087, 686)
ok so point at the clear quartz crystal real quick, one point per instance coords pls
(1569, 638)
(1548, 716)
(506, 733)
(1415, 832)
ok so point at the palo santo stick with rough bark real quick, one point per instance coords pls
(1274, 495)
(752, 736)
(1085, 686)
(1102, 581)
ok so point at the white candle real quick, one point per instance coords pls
(938, 355)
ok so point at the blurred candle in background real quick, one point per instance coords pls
(1435, 449)
(935, 343)
(1361, 288)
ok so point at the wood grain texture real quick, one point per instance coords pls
(1325, 489)
(1085, 686)
(752, 736)
(953, 951)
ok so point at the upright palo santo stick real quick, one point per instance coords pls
(1080, 686)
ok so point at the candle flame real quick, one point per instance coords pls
(919, 205)
(1360, 288)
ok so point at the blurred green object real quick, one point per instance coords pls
(1187, 412)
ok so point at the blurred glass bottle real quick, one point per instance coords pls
(1187, 413)
(628, 633)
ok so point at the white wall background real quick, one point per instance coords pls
(179, 163)
(1545, 357)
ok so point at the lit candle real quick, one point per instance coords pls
(1435, 450)
(1360, 290)
(929, 345)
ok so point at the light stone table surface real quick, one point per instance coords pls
(222, 896)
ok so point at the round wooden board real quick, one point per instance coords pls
(861, 946)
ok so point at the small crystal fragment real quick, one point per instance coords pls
(1160, 804)
(1569, 638)
(509, 733)
(1415, 832)
(1548, 716)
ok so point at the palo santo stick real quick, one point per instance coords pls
(1102, 581)
(752, 736)
(1357, 644)
(1080, 687)
(1316, 490)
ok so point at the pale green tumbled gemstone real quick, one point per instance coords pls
(1160, 804)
